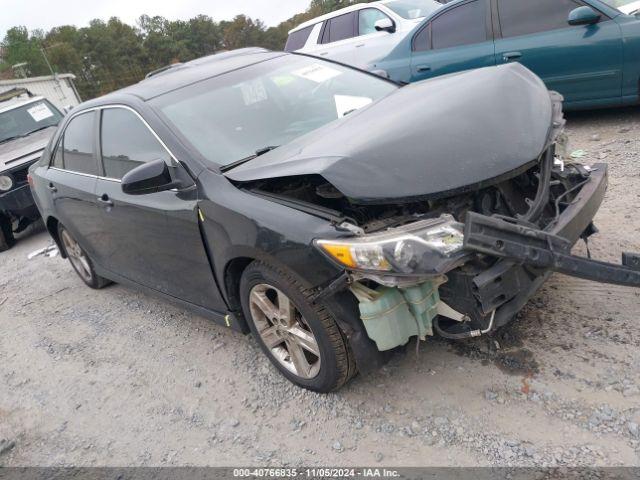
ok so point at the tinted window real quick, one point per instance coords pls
(422, 41)
(522, 17)
(127, 143)
(57, 158)
(367, 20)
(78, 145)
(461, 25)
(340, 28)
(298, 39)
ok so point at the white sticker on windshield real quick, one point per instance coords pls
(317, 73)
(40, 112)
(253, 92)
(346, 104)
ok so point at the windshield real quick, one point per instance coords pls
(411, 9)
(21, 121)
(231, 117)
(625, 6)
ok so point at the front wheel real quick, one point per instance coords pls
(300, 338)
(80, 261)
(6, 233)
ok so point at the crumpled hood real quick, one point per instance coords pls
(22, 150)
(451, 133)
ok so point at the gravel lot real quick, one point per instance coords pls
(119, 378)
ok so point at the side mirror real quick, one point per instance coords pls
(149, 177)
(583, 16)
(385, 24)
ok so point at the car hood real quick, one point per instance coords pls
(25, 149)
(451, 133)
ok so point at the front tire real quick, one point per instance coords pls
(80, 261)
(7, 239)
(302, 339)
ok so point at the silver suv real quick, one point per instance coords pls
(361, 33)
(27, 123)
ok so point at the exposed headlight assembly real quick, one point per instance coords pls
(6, 183)
(426, 247)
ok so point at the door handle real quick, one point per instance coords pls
(52, 187)
(509, 56)
(360, 45)
(105, 200)
(324, 53)
(423, 68)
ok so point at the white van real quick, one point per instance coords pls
(360, 33)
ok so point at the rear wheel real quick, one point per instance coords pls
(300, 338)
(6, 233)
(80, 261)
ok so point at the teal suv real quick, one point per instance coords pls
(588, 50)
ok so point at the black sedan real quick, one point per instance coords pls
(332, 213)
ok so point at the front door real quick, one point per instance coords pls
(583, 63)
(152, 239)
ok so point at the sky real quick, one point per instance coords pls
(45, 14)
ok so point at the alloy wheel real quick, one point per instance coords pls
(284, 331)
(76, 256)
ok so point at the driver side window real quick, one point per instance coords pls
(126, 143)
(524, 17)
(367, 20)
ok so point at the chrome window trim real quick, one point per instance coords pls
(115, 180)
(105, 107)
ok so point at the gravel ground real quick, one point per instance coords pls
(119, 378)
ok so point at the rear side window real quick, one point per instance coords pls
(463, 25)
(77, 145)
(298, 39)
(127, 143)
(523, 17)
(367, 18)
(340, 28)
(422, 41)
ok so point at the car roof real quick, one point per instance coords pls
(336, 13)
(183, 74)
(17, 102)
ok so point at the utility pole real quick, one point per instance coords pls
(47, 61)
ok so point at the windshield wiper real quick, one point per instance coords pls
(38, 129)
(15, 137)
(12, 138)
(237, 163)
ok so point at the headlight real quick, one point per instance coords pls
(423, 247)
(6, 183)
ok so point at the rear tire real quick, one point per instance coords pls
(80, 260)
(7, 239)
(302, 339)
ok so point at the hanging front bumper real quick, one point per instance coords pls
(541, 252)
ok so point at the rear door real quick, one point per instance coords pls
(152, 239)
(72, 178)
(337, 38)
(459, 38)
(583, 63)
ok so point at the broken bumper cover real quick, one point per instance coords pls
(541, 252)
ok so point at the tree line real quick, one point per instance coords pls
(107, 55)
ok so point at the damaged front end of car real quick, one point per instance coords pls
(462, 260)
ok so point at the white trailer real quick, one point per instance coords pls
(58, 89)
